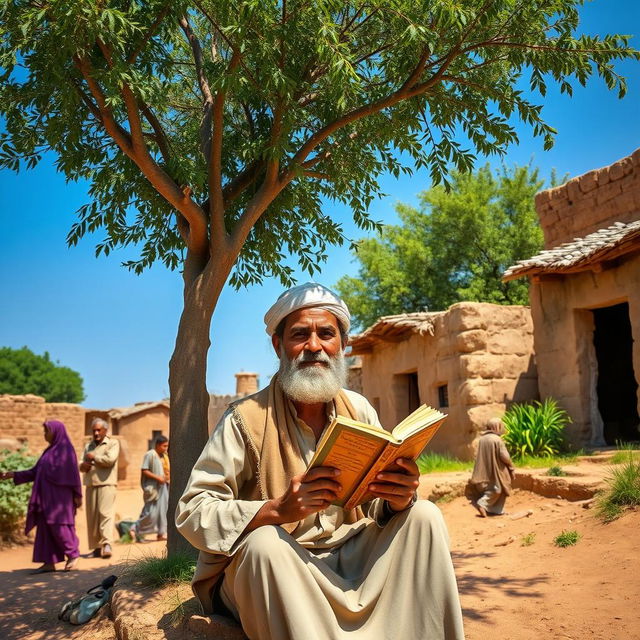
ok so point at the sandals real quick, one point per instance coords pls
(45, 568)
(72, 564)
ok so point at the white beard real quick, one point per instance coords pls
(310, 385)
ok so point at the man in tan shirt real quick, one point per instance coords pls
(100, 466)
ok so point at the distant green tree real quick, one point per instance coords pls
(454, 247)
(22, 371)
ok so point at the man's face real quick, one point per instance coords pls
(99, 432)
(312, 366)
(311, 330)
(162, 448)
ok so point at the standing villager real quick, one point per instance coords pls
(55, 497)
(100, 466)
(274, 552)
(493, 472)
(154, 478)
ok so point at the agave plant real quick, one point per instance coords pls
(535, 429)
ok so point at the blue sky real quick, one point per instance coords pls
(118, 329)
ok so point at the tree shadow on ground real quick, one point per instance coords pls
(25, 616)
(486, 584)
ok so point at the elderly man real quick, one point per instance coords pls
(274, 552)
(100, 468)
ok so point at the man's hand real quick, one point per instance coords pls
(307, 493)
(88, 457)
(85, 466)
(398, 485)
(77, 501)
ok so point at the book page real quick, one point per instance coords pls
(352, 451)
(411, 448)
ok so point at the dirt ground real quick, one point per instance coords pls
(29, 604)
(589, 591)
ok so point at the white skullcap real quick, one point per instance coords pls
(304, 296)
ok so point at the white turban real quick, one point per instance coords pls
(305, 296)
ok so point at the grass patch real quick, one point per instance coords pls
(158, 571)
(567, 539)
(437, 462)
(556, 471)
(626, 451)
(528, 540)
(540, 462)
(622, 490)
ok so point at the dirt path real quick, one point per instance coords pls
(29, 603)
(589, 591)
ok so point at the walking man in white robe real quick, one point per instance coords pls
(154, 479)
(274, 552)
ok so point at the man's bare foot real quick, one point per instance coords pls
(161, 537)
(72, 564)
(480, 509)
(45, 568)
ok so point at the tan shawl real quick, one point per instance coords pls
(491, 466)
(269, 425)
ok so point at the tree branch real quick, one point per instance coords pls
(134, 147)
(205, 90)
(216, 205)
(408, 89)
(150, 33)
(160, 136)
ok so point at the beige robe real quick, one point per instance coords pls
(338, 578)
(491, 468)
(100, 493)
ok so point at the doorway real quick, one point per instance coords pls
(617, 386)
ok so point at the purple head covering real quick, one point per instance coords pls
(58, 465)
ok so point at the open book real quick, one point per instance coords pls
(362, 450)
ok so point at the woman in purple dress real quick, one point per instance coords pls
(55, 497)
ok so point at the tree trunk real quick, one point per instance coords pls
(189, 397)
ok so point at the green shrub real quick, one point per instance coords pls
(535, 429)
(566, 539)
(158, 571)
(556, 471)
(528, 540)
(622, 490)
(436, 462)
(13, 499)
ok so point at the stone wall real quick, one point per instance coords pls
(21, 418)
(590, 202)
(218, 405)
(482, 353)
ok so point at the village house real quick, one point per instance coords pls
(578, 343)
(471, 362)
(135, 427)
(585, 301)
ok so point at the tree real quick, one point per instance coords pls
(211, 131)
(22, 372)
(455, 247)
